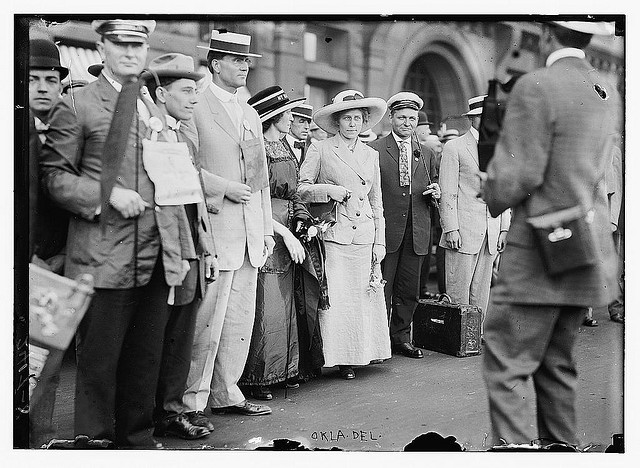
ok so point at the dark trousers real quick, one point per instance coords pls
(176, 359)
(401, 269)
(119, 347)
(529, 358)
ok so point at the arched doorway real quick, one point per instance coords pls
(434, 78)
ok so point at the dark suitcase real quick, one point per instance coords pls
(442, 326)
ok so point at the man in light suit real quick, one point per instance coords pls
(228, 134)
(407, 211)
(296, 139)
(471, 237)
(552, 154)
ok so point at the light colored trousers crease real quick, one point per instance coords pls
(221, 343)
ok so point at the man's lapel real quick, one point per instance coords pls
(221, 116)
(472, 148)
(392, 148)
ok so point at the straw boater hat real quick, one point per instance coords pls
(44, 55)
(271, 102)
(601, 28)
(405, 100)
(172, 65)
(230, 43)
(347, 100)
(475, 105)
(124, 30)
(303, 110)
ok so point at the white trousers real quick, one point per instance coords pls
(222, 338)
(468, 276)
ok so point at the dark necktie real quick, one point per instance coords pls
(116, 143)
(404, 165)
(298, 145)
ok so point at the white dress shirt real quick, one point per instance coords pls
(230, 103)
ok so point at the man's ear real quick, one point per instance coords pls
(160, 97)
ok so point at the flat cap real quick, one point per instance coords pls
(404, 100)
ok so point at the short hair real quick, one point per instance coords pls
(271, 121)
(214, 55)
(570, 38)
(163, 81)
(338, 115)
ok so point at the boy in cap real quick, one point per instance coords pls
(552, 153)
(409, 180)
(234, 170)
(296, 139)
(92, 165)
(171, 84)
(470, 236)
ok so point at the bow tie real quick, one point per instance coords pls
(298, 144)
(41, 127)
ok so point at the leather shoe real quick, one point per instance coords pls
(589, 322)
(198, 418)
(617, 317)
(181, 427)
(408, 350)
(346, 372)
(245, 408)
(261, 393)
(376, 361)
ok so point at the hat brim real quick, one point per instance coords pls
(476, 111)
(189, 75)
(280, 110)
(601, 28)
(243, 54)
(64, 72)
(377, 108)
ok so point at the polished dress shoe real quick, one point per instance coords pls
(181, 427)
(346, 372)
(617, 317)
(407, 349)
(589, 322)
(376, 361)
(198, 418)
(245, 408)
(261, 393)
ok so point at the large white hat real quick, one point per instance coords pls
(230, 43)
(347, 100)
(601, 28)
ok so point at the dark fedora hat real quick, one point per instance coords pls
(44, 55)
(272, 101)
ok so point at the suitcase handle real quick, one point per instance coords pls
(439, 297)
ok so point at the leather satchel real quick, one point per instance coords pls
(566, 239)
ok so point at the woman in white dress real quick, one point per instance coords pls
(354, 328)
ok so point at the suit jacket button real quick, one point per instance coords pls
(404, 215)
(364, 183)
(357, 213)
(404, 194)
(361, 198)
(354, 227)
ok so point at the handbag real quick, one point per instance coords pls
(566, 239)
(325, 212)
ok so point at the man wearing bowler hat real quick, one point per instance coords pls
(553, 152)
(171, 84)
(47, 223)
(409, 182)
(296, 139)
(228, 134)
(471, 236)
(92, 165)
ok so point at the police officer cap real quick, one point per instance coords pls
(404, 100)
(121, 30)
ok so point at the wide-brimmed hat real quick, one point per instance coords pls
(172, 65)
(272, 101)
(475, 105)
(230, 43)
(347, 100)
(44, 55)
(124, 30)
(303, 110)
(405, 100)
(600, 28)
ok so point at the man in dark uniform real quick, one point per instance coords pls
(408, 173)
(552, 154)
(92, 165)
